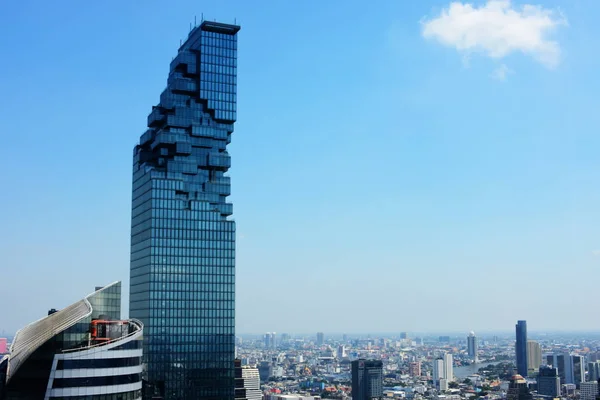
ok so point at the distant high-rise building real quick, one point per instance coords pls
(444, 339)
(548, 381)
(320, 338)
(472, 346)
(562, 364)
(265, 370)
(534, 355)
(438, 370)
(588, 390)
(594, 371)
(414, 368)
(182, 265)
(268, 340)
(571, 368)
(341, 352)
(521, 347)
(403, 335)
(448, 367)
(518, 389)
(578, 368)
(367, 379)
(3, 345)
(443, 385)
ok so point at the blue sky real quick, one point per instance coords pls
(406, 167)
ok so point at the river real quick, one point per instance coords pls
(461, 373)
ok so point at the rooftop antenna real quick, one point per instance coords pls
(194, 20)
(202, 17)
(235, 21)
(190, 26)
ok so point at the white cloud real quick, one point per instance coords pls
(501, 72)
(497, 29)
(596, 252)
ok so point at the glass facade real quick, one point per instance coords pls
(182, 237)
(62, 344)
(521, 347)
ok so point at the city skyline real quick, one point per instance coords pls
(485, 162)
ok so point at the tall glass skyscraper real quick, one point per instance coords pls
(182, 238)
(521, 347)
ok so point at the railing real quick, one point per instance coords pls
(139, 325)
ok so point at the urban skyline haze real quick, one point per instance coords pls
(394, 162)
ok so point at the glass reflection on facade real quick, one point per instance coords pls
(182, 238)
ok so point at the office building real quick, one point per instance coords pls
(320, 338)
(247, 382)
(438, 371)
(444, 339)
(448, 367)
(82, 351)
(534, 355)
(269, 340)
(265, 370)
(518, 389)
(593, 371)
(403, 335)
(443, 386)
(414, 368)
(521, 347)
(472, 347)
(341, 352)
(578, 367)
(588, 390)
(562, 363)
(568, 389)
(182, 237)
(548, 381)
(367, 379)
(3, 345)
(571, 368)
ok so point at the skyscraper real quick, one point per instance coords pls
(320, 338)
(521, 347)
(534, 355)
(594, 371)
(367, 379)
(414, 368)
(438, 370)
(182, 239)
(548, 381)
(561, 362)
(578, 368)
(268, 340)
(472, 346)
(448, 367)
